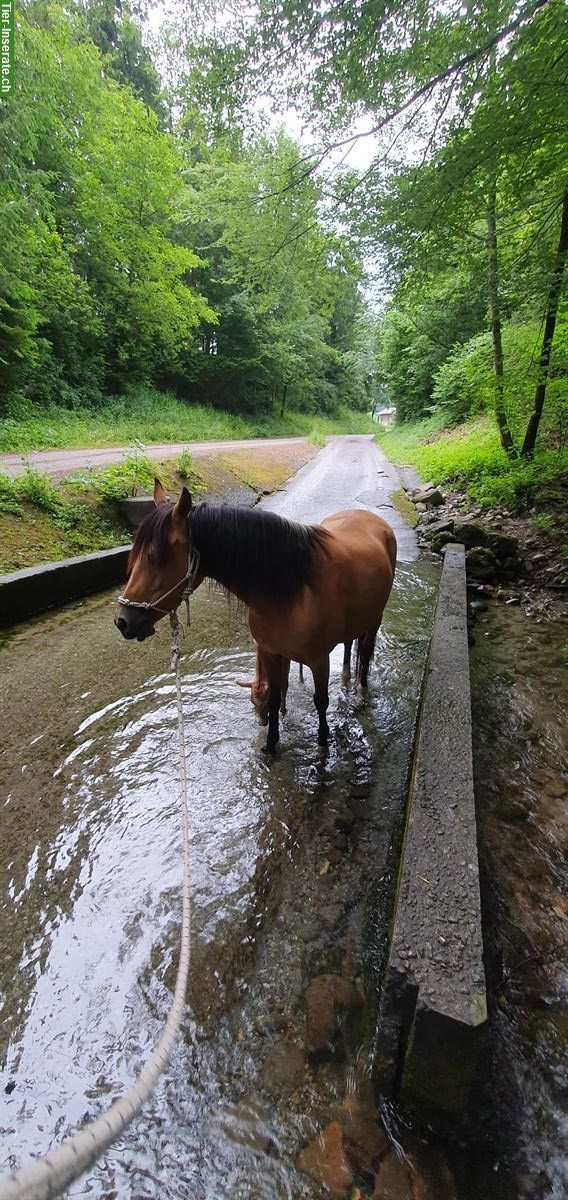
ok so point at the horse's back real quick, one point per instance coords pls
(352, 585)
(358, 531)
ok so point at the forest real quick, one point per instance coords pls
(164, 229)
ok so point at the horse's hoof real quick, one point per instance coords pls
(272, 751)
(345, 678)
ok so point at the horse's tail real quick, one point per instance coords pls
(364, 654)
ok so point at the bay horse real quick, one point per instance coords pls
(306, 587)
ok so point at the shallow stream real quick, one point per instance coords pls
(91, 873)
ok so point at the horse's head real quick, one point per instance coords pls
(259, 696)
(157, 566)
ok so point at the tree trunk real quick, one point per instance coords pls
(495, 315)
(548, 335)
(283, 403)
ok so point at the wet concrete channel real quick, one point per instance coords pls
(281, 893)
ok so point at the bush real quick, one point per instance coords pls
(464, 384)
(37, 488)
(470, 458)
(122, 479)
(8, 497)
(185, 464)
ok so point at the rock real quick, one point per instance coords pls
(470, 534)
(481, 563)
(365, 1139)
(340, 841)
(511, 567)
(430, 498)
(435, 527)
(420, 507)
(440, 540)
(333, 1016)
(344, 819)
(393, 1180)
(503, 545)
(330, 914)
(325, 1160)
(334, 856)
(362, 789)
(424, 1175)
(433, 1179)
(513, 810)
(283, 1068)
(360, 808)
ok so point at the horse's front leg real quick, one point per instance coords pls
(272, 664)
(320, 672)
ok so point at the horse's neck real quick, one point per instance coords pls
(211, 563)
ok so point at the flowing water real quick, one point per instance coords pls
(90, 887)
(520, 701)
(90, 894)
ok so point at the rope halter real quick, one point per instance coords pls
(187, 579)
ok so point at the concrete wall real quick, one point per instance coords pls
(433, 1007)
(26, 593)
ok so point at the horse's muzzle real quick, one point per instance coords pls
(136, 625)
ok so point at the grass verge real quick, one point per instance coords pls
(469, 458)
(43, 521)
(150, 416)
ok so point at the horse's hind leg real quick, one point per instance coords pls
(346, 669)
(365, 647)
(320, 672)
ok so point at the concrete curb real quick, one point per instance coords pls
(26, 593)
(433, 1005)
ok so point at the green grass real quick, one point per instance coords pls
(470, 458)
(154, 417)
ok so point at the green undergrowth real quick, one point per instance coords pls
(469, 458)
(43, 521)
(150, 416)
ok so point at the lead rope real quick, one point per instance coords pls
(51, 1175)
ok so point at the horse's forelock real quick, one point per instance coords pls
(151, 537)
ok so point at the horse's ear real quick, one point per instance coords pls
(182, 508)
(159, 493)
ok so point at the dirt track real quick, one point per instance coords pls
(58, 463)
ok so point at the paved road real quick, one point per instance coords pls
(351, 472)
(63, 462)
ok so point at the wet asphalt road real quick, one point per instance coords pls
(351, 472)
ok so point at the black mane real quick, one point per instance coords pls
(250, 551)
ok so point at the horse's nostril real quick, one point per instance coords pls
(121, 624)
